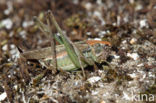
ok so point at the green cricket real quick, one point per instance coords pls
(67, 56)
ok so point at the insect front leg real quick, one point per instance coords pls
(47, 31)
(53, 46)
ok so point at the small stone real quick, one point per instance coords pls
(123, 42)
(138, 7)
(135, 56)
(133, 75)
(102, 102)
(143, 23)
(102, 33)
(94, 79)
(88, 6)
(140, 65)
(126, 96)
(116, 56)
(3, 96)
(94, 92)
(133, 41)
(7, 23)
(88, 33)
(5, 47)
(27, 23)
(97, 38)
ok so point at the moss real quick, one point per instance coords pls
(114, 74)
(111, 75)
(33, 101)
(38, 78)
(76, 22)
(150, 91)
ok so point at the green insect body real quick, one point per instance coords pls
(68, 56)
(64, 62)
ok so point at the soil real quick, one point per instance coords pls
(127, 74)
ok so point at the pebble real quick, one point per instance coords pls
(125, 41)
(134, 56)
(5, 47)
(94, 92)
(27, 23)
(143, 23)
(3, 96)
(133, 41)
(94, 79)
(102, 33)
(140, 65)
(7, 23)
(102, 102)
(133, 75)
(126, 96)
(23, 34)
(88, 6)
(97, 38)
(9, 9)
(138, 7)
(116, 56)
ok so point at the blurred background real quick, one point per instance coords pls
(80, 19)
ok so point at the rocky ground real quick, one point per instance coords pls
(127, 77)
